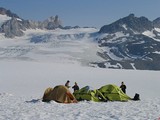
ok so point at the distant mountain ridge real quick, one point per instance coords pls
(132, 23)
(128, 43)
(16, 25)
(131, 43)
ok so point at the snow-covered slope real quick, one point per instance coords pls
(3, 18)
(24, 82)
(74, 45)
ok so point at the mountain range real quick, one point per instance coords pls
(128, 43)
(131, 42)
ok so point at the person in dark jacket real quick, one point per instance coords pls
(75, 87)
(123, 87)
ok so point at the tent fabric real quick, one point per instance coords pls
(46, 96)
(59, 94)
(86, 93)
(114, 93)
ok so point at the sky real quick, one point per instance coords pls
(91, 13)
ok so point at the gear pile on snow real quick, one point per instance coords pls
(61, 94)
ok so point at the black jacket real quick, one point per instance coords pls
(123, 88)
(75, 87)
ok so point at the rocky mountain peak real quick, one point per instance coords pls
(12, 28)
(156, 22)
(132, 23)
(4, 11)
(20, 25)
(131, 43)
(52, 23)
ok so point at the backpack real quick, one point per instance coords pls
(136, 97)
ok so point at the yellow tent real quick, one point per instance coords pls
(60, 94)
(114, 93)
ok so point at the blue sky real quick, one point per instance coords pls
(93, 13)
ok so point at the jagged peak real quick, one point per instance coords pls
(4, 11)
(137, 24)
(52, 19)
(157, 20)
(131, 15)
(133, 18)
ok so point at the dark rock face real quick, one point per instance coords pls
(139, 50)
(156, 22)
(12, 28)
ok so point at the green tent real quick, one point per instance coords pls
(113, 93)
(86, 93)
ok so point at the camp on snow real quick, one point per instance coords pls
(105, 93)
(62, 94)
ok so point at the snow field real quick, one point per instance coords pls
(28, 108)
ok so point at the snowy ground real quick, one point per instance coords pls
(22, 108)
(23, 82)
(27, 69)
